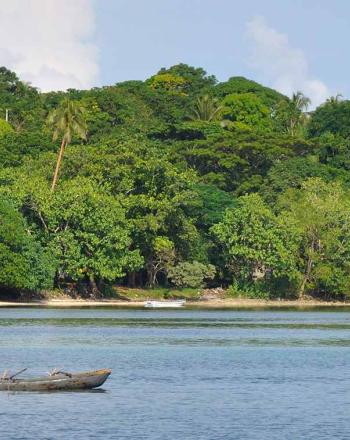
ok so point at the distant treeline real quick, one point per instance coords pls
(176, 180)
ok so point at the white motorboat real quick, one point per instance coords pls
(165, 304)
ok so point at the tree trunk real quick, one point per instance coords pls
(94, 291)
(140, 279)
(58, 165)
(306, 277)
(132, 279)
(151, 276)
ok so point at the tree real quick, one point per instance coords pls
(191, 274)
(167, 181)
(67, 121)
(168, 82)
(290, 115)
(23, 262)
(89, 233)
(156, 208)
(82, 226)
(256, 243)
(334, 99)
(164, 257)
(331, 117)
(300, 101)
(206, 108)
(17, 147)
(110, 110)
(237, 161)
(155, 193)
(210, 205)
(292, 172)
(21, 100)
(334, 150)
(196, 79)
(321, 212)
(5, 128)
(241, 85)
(246, 109)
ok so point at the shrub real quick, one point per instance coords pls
(187, 274)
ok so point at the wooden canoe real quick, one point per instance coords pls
(73, 381)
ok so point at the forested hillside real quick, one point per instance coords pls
(177, 180)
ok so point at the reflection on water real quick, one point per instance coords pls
(181, 374)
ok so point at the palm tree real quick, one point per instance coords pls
(67, 120)
(334, 99)
(299, 103)
(206, 108)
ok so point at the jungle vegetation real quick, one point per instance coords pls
(178, 180)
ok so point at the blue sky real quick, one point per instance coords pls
(137, 36)
(287, 44)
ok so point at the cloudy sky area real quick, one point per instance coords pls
(289, 45)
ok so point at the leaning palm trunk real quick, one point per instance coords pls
(67, 120)
(58, 164)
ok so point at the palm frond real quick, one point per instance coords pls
(68, 120)
(206, 108)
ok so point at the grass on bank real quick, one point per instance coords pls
(158, 293)
(130, 294)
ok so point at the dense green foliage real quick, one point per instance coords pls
(23, 261)
(259, 246)
(187, 274)
(176, 180)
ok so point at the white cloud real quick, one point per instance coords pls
(46, 42)
(286, 67)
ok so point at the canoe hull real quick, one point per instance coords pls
(79, 381)
(164, 304)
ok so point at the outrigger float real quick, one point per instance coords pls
(55, 381)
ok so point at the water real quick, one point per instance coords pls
(182, 374)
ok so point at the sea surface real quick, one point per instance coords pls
(181, 374)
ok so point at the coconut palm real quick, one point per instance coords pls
(334, 99)
(206, 108)
(67, 120)
(292, 114)
(300, 101)
(299, 104)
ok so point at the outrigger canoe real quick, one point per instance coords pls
(56, 381)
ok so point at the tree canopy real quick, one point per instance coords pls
(176, 180)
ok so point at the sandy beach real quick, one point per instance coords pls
(210, 304)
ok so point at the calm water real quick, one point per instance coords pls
(181, 374)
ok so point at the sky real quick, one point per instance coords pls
(289, 45)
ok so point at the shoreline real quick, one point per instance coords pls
(236, 303)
